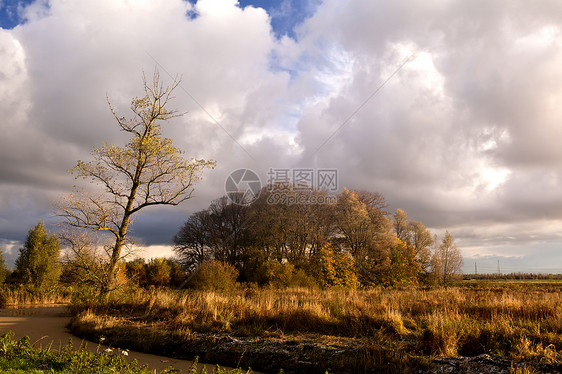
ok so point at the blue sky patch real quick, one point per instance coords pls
(285, 15)
(10, 15)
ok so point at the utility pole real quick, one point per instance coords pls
(475, 269)
(499, 272)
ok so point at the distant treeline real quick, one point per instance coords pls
(513, 276)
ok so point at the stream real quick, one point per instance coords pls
(46, 325)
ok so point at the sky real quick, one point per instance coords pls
(450, 109)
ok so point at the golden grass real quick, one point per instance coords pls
(15, 297)
(517, 322)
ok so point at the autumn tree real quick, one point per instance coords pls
(38, 263)
(404, 269)
(277, 239)
(365, 232)
(416, 235)
(421, 241)
(354, 223)
(220, 232)
(4, 271)
(401, 225)
(447, 260)
(271, 224)
(147, 171)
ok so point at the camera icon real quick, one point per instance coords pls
(242, 187)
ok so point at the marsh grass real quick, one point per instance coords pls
(14, 296)
(519, 322)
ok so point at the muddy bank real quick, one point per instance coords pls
(294, 354)
(46, 326)
(486, 364)
(302, 353)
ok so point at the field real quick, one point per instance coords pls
(341, 330)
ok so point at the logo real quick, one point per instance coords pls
(243, 186)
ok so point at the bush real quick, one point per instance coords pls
(161, 272)
(334, 269)
(276, 274)
(214, 276)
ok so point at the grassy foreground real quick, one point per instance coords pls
(394, 329)
(19, 356)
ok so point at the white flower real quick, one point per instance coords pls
(102, 338)
(109, 350)
(125, 353)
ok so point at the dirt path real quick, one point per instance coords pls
(47, 325)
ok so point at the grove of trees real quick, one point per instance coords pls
(348, 243)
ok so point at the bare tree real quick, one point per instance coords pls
(192, 243)
(148, 171)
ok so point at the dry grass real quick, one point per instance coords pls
(517, 322)
(15, 297)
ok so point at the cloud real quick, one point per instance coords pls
(464, 135)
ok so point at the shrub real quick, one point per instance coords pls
(334, 269)
(214, 276)
(276, 274)
(161, 272)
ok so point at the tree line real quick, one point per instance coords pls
(351, 242)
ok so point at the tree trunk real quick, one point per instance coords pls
(119, 241)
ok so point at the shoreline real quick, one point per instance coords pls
(47, 326)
